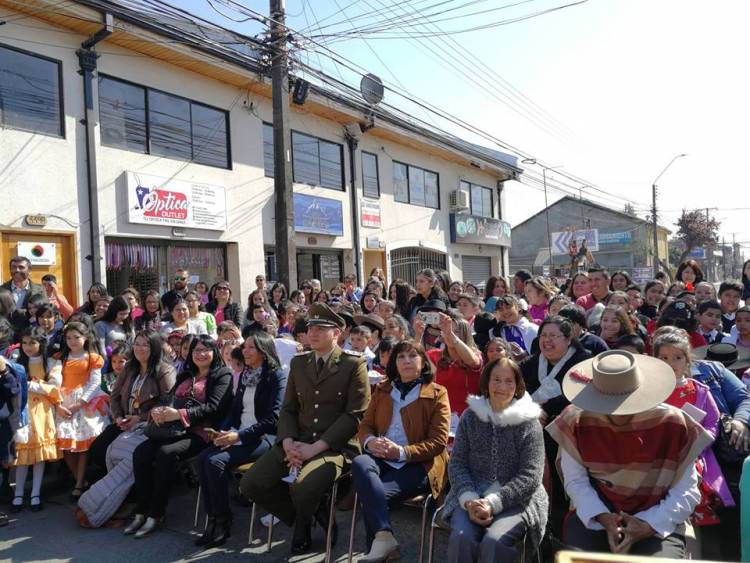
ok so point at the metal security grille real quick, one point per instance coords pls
(406, 262)
(476, 269)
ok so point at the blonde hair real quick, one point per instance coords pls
(540, 284)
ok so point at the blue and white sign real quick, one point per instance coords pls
(622, 237)
(561, 240)
(318, 215)
(697, 254)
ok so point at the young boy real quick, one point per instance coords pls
(359, 337)
(729, 297)
(709, 321)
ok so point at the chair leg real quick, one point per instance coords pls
(425, 507)
(431, 543)
(523, 547)
(352, 527)
(270, 534)
(331, 516)
(197, 507)
(252, 523)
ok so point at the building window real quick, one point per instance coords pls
(141, 119)
(415, 185)
(30, 92)
(481, 199)
(370, 179)
(317, 162)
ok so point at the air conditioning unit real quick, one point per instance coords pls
(459, 200)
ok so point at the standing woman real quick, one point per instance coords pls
(181, 320)
(222, 307)
(202, 395)
(193, 301)
(278, 294)
(81, 416)
(497, 286)
(496, 468)
(115, 324)
(150, 319)
(244, 435)
(95, 292)
(689, 272)
(403, 435)
(144, 383)
(428, 288)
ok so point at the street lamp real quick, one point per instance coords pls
(653, 211)
(546, 205)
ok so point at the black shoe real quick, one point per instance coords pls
(16, 508)
(302, 539)
(35, 507)
(3, 519)
(322, 516)
(223, 531)
(208, 533)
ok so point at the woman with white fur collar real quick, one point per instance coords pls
(496, 471)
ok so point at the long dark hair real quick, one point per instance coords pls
(100, 288)
(428, 369)
(284, 294)
(264, 343)
(155, 354)
(152, 293)
(91, 344)
(693, 265)
(209, 343)
(36, 334)
(402, 297)
(117, 305)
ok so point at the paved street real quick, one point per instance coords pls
(54, 535)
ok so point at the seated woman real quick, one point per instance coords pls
(204, 387)
(405, 454)
(181, 321)
(245, 434)
(627, 459)
(496, 471)
(144, 384)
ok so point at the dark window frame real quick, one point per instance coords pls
(227, 123)
(408, 185)
(60, 93)
(377, 173)
(320, 171)
(472, 185)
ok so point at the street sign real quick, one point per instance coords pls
(697, 254)
(642, 275)
(561, 240)
(622, 237)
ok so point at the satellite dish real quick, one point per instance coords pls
(371, 88)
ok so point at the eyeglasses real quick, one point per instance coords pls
(202, 352)
(551, 336)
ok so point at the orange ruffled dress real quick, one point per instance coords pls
(81, 381)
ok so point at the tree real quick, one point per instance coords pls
(629, 210)
(695, 229)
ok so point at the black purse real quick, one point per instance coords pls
(174, 429)
(726, 452)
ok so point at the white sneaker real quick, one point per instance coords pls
(266, 520)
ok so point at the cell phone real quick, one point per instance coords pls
(431, 318)
(212, 433)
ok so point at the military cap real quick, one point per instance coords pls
(321, 314)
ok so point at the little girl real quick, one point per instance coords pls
(36, 442)
(81, 416)
(672, 345)
(614, 324)
(117, 359)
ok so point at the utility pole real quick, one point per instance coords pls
(723, 258)
(286, 252)
(549, 232)
(734, 253)
(656, 240)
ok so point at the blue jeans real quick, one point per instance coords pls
(379, 484)
(215, 465)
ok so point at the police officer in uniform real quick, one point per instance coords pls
(326, 396)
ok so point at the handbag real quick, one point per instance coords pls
(726, 452)
(173, 429)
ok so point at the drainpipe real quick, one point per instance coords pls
(87, 61)
(353, 142)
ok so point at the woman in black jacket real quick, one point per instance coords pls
(222, 307)
(428, 289)
(208, 382)
(245, 434)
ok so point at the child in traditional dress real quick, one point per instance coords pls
(116, 365)
(672, 345)
(36, 442)
(82, 415)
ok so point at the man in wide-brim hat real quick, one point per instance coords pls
(627, 460)
(725, 353)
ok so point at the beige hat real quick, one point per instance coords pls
(618, 382)
(728, 354)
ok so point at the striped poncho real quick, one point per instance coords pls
(633, 466)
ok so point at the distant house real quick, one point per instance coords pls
(624, 240)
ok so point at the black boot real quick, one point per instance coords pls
(302, 538)
(322, 516)
(208, 534)
(222, 533)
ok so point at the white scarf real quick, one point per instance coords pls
(549, 387)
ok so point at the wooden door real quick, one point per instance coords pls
(373, 259)
(64, 266)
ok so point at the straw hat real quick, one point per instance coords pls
(618, 382)
(724, 352)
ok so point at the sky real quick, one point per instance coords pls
(608, 90)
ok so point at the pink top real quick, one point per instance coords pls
(538, 313)
(183, 391)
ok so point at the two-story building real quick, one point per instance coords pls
(134, 142)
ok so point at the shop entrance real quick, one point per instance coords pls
(373, 259)
(149, 264)
(49, 254)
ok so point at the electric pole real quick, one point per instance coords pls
(286, 252)
(656, 239)
(723, 258)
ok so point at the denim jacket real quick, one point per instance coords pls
(728, 391)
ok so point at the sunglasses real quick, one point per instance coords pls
(179, 278)
(222, 288)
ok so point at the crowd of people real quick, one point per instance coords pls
(596, 414)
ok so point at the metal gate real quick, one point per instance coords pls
(406, 262)
(476, 269)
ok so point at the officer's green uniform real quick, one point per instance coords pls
(324, 406)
